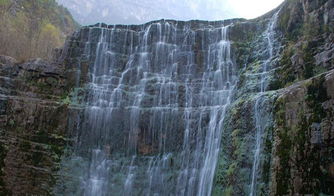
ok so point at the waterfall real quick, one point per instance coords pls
(155, 105)
(260, 122)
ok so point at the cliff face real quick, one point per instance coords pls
(33, 125)
(303, 148)
(150, 100)
(296, 111)
(158, 88)
(303, 151)
(33, 104)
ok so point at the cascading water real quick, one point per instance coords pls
(155, 107)
(261, 116)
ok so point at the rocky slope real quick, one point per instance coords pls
(289, 101)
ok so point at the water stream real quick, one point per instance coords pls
(260, 116)
(156, 102)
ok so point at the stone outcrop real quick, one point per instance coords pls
(33, 125)
(304, 138)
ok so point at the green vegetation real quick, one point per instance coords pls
(74, 97)
(3, 152)
(303, 36)
(33, 28)
(66, 100)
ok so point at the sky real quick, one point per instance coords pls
(252, 8)
(141, 11)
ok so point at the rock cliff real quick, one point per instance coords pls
(33, 125)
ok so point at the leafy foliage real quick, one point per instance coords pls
(32, 28)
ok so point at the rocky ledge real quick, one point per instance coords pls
(33, 118)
